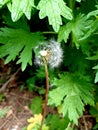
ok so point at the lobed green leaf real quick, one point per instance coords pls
(79, 27)
(3, 2)
(74, 106)
(18, 8)
(64, 32)
(53, 9)
(72, 93)
(18, 43)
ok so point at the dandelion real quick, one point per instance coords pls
(49, 54)
(52, 52)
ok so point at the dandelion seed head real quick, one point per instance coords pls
(52, 52)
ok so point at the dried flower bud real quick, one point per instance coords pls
(52, 52)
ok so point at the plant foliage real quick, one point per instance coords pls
(71, 94)
(26, 27)
(36, 105)
(54, 10)
(17, 41)
(18, 8)
(56, 123)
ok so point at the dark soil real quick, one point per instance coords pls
(19, 112)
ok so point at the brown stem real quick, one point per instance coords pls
(46, 94)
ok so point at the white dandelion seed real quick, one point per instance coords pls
(52, 52)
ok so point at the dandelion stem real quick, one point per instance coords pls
(46, 94)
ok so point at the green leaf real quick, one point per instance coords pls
(18, 8)
(21, 23)
(56, 96)
(95, 127)
(36, 105)
(93, 27)
(78, 26)
(93, 13)
(78, 0)
(96, 77)
(1, 97)
(74, 106)
(17, 42)
(40, 73)
(26, 7)
(66, 12)
(56, 123)
(74, 63)
(54, 9)
(24, 128)
(15, 9)
(95, 67)
(26, 56)
(95, 57)
(3, 2)
(3, 112)
(64, 32)
(72, 93)
(31, 83)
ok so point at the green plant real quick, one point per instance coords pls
(1, 97)
(36, 105)
(71, 96)
(56, 123)
(74, 23)
(3, 112)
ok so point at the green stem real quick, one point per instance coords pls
(47, 90)
(49, 32)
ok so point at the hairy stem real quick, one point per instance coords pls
(46, 94)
